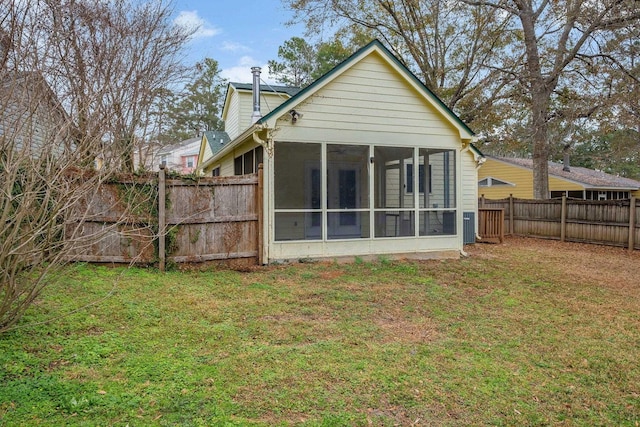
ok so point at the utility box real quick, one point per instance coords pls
(468, 227)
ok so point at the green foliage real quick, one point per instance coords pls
(617, 153)
(301, 63)
(198, 107)
(297, 63)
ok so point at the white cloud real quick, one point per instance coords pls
(190, 20)
(242, 71)
(234, 47)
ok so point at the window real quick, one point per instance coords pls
(163, 160)
(216, 171)
(437, 208)
(189, 161)
(237, 166)
(248, 162)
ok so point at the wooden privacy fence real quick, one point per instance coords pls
(168, 220)
(608, 222)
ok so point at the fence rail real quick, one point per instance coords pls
(609, 222)
(168, 220)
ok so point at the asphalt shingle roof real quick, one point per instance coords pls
(217, 139)
(589, 177)
(289, 90)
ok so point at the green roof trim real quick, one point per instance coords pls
(286, 105)
(476, 150)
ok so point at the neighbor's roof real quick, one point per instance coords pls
(289, 90)
(169, 148)
(216, 139)
(588, 177)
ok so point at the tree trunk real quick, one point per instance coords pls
(540, 147)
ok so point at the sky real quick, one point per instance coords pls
(237, 34)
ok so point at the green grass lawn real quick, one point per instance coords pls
(506, 338)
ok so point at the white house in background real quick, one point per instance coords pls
(365, 161)
(181, 157)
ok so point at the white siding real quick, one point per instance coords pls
(231, 123)
(369, 104)
(469, 183)
(268, 102)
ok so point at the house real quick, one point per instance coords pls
(501, 177)
(181, 157)
(33, 123)
(237, 116)
(365, 161)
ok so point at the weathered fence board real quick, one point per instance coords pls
(491, 223)
(613, 222)
(207, 219)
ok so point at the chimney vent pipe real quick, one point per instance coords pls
(256, 115)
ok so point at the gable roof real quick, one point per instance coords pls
(248, 87)
(169, 148)
(216, 139)
(300, 95)
(589, 178)
(374, 45)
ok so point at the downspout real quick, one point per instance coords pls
(266, 199)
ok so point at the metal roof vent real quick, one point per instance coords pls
(256, 115)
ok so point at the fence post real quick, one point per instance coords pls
(482, 201)
(260, 207)
(161, 218)
(511, 215)
(563, 219)
(632, 223)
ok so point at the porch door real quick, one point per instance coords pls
(343, 185)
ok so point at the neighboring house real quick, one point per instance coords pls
(501, 177)
(181, 157)
(32, 120)
(364, 161)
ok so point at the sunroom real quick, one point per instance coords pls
(362, 192)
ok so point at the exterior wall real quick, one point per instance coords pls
(232, 116)
(30, 118)
(175, 157)
(226, 163)
(469, 184)
(207, 154)
(238, 117)
(368, 103)
(521, 177)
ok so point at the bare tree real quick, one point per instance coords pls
(68, 97)
(563, 44)
(507, 65)
(452, 48)
(116, 58)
